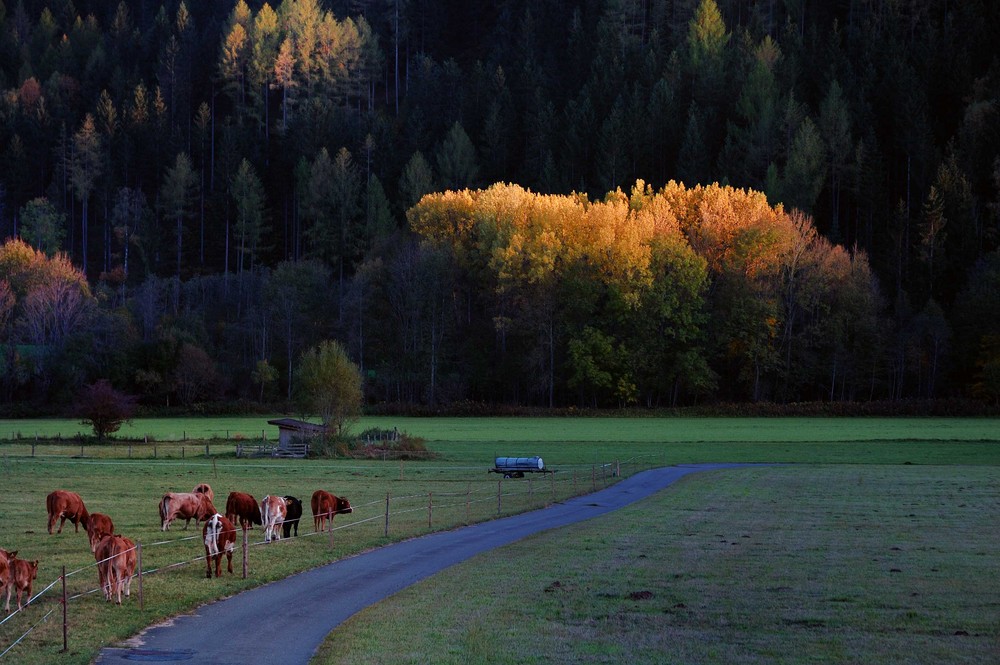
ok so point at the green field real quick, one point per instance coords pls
(819, 564)
(447, 491)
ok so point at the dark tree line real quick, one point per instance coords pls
(231, 181)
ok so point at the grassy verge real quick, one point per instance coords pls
(875, 564)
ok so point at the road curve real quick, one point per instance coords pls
(311, 604)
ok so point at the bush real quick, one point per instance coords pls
(104, 408)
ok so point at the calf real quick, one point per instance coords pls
(220, 538)
(22, 575)
(293, 508)
(6, 578)
(98, 526)
(326, 505)
(242, 508)
(116, 561)
(272, 514)
(62, 506)
(185, 505)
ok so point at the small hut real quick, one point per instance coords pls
(294, 436)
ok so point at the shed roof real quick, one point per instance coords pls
(297, 425)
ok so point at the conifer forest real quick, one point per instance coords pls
(532, 203)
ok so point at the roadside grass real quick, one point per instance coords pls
(818, 564)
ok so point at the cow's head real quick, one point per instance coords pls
(32, 567)
(213, 527)
(206, 508)
(343, 505)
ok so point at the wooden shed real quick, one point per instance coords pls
(294, 436)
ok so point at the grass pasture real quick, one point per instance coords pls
(866, 453)
(790, 564)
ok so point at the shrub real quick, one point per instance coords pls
(104, 408)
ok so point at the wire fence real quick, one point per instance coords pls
(396, 518)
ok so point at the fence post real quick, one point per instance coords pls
(400, 468)
(593, 478)
(552, 488)
(182, 452)
(386, 514)
(246, 560)
(65, 613)
(468, 490)
(138, 564)
(329, 527)
(531, 493)
(574, 482)
(499, 494)
(207, 453)
(129, 451)
(33, 448)
(430, 509)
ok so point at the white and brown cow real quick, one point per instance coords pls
(98, 526)
(326, 505)
(63, 505)
(185, 505)
(220, 538)
(272, 514)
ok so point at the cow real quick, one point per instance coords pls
(326, 505)
(242, 508)
(293, 508)
(98, 526)
(204, 488)
(220, 538)
(6, 578)
(62, 506)
(116, 560)
(272, 513)
(21, 575)
(184, 505)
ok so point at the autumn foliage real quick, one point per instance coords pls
(656, 295)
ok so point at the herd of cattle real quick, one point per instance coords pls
(116, 554)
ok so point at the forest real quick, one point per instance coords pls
(565, 203)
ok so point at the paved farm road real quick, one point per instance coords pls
(302, 609)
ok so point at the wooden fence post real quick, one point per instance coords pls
(593, 478)
(499, 494)
(468, 491)
(430, 509)
(329, 527)
(138, 564)
(386, 514)
(246, 560)
(65, 613)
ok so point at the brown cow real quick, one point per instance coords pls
(116, 561)
(242, 508)
(98, 526)
(22, 574)
(184, 505)
(6, 579)
(206, 489)
(220, 538)
(62, 506)
(272, 512)
(326, 505)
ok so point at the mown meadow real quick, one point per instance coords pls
(453, 488)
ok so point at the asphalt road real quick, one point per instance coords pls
(285, 622)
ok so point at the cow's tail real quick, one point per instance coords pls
(265, 517)
(164, 511)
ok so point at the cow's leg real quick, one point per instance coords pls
(229, 556)
(52, 521)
